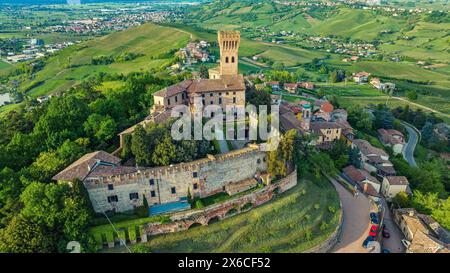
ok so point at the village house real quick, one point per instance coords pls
(339, 114)
(324, 113)
(361, 77)
(326, 132)
(376, 82)
(347, 131)
(421, 238)
(306, 85)
(275, 85)
(374, 160)
(392, 185)
(361, 178)
(392, 138)
(442, 131)
(290, 87)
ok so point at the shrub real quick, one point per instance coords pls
(199, 204)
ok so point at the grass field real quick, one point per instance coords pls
(5, 67)
(392, 103)
(293, 222)
(74, 64)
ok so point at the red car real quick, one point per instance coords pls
(373, 231)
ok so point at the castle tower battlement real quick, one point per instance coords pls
(229, 41)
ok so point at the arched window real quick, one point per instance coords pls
(232, 59)
(227, 60)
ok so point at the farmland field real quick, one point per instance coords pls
(74, 64)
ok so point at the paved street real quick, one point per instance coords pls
(394, 243)
(356, 221)
(408, 151)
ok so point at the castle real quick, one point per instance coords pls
(115, 187)
(225, 87)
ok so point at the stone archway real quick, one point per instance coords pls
(247, 206)
(213, 220)
(231, 212)
(194, 225)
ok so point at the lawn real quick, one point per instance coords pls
(293, 222)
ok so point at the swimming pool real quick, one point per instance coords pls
(169, 207)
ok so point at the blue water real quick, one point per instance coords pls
(169, 207)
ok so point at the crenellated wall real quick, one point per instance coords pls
(183, 220)
(161, 185)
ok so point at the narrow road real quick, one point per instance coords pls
(422, 106)
(394, 243)
(410, 146)
(356, 221)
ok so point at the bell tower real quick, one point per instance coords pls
(229, 41)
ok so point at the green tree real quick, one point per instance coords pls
(412, 95)
(101, 128)
(355, 157)
(23, 235)
(442, 213)
(203, 72)
(140, 146)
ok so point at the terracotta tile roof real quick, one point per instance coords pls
(353, 173)
(108, 170)
(387, 136)
(290, 85)
(397, 180)
(358, 175)
(173, 89)
(369, 189)
(387, 169)
(226, 83)
(367, 149)
(316, 127)
(362, 74)
(422, 241)
(327, 107)
(81, 168)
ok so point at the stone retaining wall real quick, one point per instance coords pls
(184, 220)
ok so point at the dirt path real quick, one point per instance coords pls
(422, 106)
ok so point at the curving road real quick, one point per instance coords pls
(356, 221)
(410, 146)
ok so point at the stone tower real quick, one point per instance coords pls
(229, 45)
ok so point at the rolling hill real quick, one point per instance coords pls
(70, 66)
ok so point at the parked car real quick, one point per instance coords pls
(374, 218)
(373, 231)
(367, 240)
